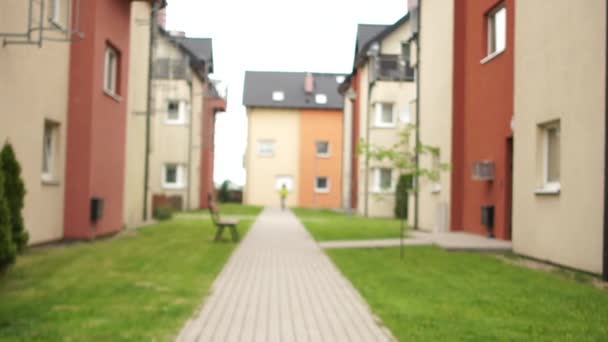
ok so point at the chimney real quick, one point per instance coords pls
(309, 83)
(161, 18)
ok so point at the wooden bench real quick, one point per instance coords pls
(222, 223)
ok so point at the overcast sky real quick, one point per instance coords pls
(272, 35)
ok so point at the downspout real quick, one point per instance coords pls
(367, 130)
(153, 28)
(605, 268)
(417, 155)
(190, 147)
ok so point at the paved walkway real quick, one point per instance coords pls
(448, 240)
(279, 286)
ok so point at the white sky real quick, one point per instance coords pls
(272, 35)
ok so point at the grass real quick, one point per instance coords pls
(141, 286)
(229, 209)
(326, 224)
(437, 295)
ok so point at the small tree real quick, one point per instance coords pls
(402, 157)
(14, 189)
(8, 251)
(224, 192)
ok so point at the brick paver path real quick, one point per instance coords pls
(279, 286)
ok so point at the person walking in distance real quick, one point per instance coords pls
(283, 192)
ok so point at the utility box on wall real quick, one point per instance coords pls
(96, 209)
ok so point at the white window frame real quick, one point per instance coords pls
(549, 186)
(321, 99)
(180, 174)
(320, 154)
(377, 172)
(183, 108)
(379, 111)
(278, 96)
(321, 190)
(493, 49)
(110, 72)
(49, 153)
(261, 152)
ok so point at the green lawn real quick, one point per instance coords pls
(326, 224)
(437, 295)
(140, 286)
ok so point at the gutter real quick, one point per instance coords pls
(605, 263)
(190, 147)
(417, 156)
(367, 130)
(153, 27)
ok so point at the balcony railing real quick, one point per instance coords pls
(393, 68)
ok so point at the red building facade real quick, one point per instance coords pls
(483, 111)
(213, 104)
(97, 109)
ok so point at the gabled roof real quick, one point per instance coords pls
(199, 50)
(202, 48)
(260, 85)
(365, 33)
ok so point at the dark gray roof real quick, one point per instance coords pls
(260, 85)
(366, 32)
(202, 48)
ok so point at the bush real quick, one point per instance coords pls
(224, 194)
(8, 250)
(163, 213)
(14, 190)
(402, 196)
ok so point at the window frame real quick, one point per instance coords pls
(377, 174)
(319, 154)
(183, 108)
(492, 49)
(263, 154)
(180, 176)
(547, 184)
(321, 190)
(378, 122)
(111, 71)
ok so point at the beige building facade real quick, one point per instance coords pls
(175, 144)
(435, 67)
(136, 115)
(272, 156)
(558, 192)
(34, 93)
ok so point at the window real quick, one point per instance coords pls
(322, 148)
(340, 79)
(278, 96)
(110, 79)
(383, 179)
(321, 98)
(497, 30)
(49, 150)
(266, 148)
(173, 176)
(321, 184)
(385, 116)
(551, 149)
(176, 112)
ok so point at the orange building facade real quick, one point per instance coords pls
(319, 126)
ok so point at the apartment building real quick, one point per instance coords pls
(65, 65)
(294, 138)
(180, 84)
(379, 98)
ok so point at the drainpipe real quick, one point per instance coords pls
(190, 147)
(153, 28)
(372, 54)
(605, 268)
(417, 156)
